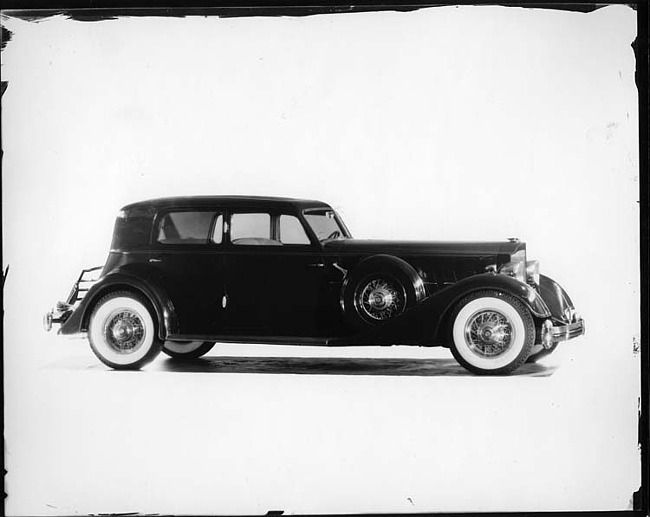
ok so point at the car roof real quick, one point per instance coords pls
(261, 202)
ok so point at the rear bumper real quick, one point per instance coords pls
(59, 314)
(63, 310)
(566, 332)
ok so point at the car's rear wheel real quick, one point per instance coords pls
(122, 331)
(187, 349)
(492, 333)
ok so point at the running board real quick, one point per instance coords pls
(269, 340)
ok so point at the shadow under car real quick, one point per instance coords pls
(335, 366)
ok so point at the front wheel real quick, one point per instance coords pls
(122, 331)
(492, 333)
(187, 349)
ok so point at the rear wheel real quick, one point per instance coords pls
(187, 349)
(122, 331)
(492, 333)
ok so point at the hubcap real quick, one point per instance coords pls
(489, 333)
(380, 299)
(124, 331)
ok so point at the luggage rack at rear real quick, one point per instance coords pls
(63, 310)
(82, 285)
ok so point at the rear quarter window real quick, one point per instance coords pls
(133, 228)
(186, 227)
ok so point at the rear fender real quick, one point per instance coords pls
(125, 279)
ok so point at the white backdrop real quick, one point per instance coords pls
(468, 123)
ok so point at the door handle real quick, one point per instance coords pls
(152, 260)
(317, 264)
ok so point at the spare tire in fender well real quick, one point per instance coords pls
(392, 267)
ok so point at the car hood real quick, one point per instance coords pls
(438, 248)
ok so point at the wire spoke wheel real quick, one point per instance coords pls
(124, 331)
(489, 333)
(380, 299)
(492, 332)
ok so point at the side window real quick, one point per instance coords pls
(291, 231)
(251, 229)
(185, 227)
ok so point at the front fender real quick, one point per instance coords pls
(492, 281)
(382, 260)
(142, 282)
(529, 296)
(374, 261)
(556, 298)
(426, 322)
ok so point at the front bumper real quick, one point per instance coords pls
(566, 332)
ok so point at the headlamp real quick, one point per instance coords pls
(516, 268)
(532, 272)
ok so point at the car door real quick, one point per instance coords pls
(276, 282)
(187, 253)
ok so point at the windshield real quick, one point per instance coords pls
(325, 224)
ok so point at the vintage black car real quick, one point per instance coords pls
(186, 272)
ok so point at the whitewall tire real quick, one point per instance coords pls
(492, 333)
(122, 331)
(187, 349)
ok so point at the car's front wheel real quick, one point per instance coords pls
(187, 349)
(122, 331)
(492, 333)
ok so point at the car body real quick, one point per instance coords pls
(211, 269)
